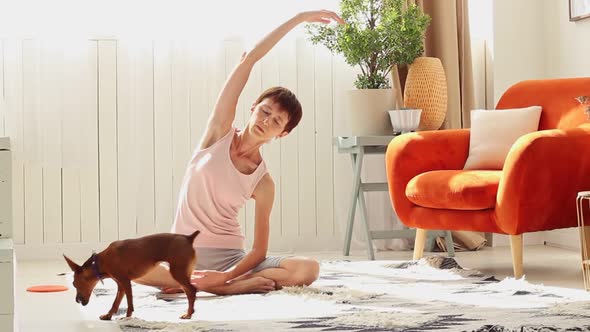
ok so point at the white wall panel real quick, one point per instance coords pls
(307, 146)
(52, 99)
(323, 144)
(86, 65)
(102, 131)
(107, 140)
(144, 137)
(163, 163)
(72, 136)
(127, 144)
(33, 178)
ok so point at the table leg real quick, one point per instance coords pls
(449, 243)
(357, 164)
(365, 220)
(430, 242)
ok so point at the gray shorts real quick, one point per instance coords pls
(222, 259)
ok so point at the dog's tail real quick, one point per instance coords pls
(192, 237)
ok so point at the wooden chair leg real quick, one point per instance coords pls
(516, 249)
(419, 243)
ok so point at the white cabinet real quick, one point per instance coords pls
(7, 271)
(7, 260)
(5, 189)
(7, 323)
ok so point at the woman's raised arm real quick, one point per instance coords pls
(224, 113)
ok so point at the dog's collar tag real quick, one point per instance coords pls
(95, 267)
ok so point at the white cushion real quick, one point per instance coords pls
(494, 132)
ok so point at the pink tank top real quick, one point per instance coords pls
(211, 195)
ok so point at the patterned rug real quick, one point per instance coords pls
(429, 295)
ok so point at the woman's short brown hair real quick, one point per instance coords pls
(287, 101)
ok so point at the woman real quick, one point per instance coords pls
(226, 170)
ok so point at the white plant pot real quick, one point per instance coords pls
(367, 112)
(405, 120)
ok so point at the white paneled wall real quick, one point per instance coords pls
(102, 130)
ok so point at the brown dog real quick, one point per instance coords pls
(126, 260)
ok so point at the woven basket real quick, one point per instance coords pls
(426, 88)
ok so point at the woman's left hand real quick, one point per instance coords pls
(320, 16)
(208, 278)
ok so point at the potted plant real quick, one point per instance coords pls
(378, 35)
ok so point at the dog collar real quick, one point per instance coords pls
(94, 266)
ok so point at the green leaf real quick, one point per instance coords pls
(377, 35)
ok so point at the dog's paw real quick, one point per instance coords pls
(105, 317)
(186, 316)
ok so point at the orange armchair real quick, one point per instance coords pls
(535, 191)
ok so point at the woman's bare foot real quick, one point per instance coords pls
(254, 285)
(244, 286)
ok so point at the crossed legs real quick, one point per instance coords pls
(292, 271)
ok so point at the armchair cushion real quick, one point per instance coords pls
(454, 189)
(494, 132)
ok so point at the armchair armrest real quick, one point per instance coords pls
(542, 174)
(411, 154)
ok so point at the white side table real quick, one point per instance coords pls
(358, 147)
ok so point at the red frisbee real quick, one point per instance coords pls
(47, 288)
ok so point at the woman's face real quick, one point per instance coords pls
(268, 120)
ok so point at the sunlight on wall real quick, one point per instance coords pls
(170, 19)
(481, 20)
(481, 28)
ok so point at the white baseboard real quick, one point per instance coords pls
(568, 238)
(562, 246)
(79, 252)
(503, 240)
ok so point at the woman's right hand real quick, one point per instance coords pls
(208, 278)
(320, 16)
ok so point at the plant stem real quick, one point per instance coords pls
(362, 69)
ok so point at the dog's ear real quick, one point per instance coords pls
(71, 263)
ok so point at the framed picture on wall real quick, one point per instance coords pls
(579, 9)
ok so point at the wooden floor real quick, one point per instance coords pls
(54, 312)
